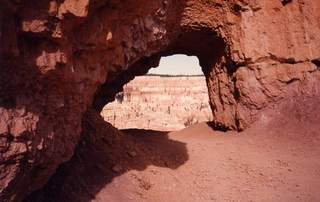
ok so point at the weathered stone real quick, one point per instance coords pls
(132, 153)
(117, 168)
(58, 57)
(160, 103)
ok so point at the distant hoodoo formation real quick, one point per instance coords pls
(60, 56)
(160, 103)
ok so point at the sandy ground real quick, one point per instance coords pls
(223, 167)
(277, 159)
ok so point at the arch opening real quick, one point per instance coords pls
(169, 97)
(216, 64)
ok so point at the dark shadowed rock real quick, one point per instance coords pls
(59, 57)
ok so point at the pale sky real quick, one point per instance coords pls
(178, 64)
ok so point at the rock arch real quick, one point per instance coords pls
(204, 43)
(64, 56)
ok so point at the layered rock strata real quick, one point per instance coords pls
(59, 56)
(160, 103)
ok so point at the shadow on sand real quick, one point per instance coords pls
(100, 148)
(173, 150)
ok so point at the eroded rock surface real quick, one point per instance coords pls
(101, 154)
(160, 103)
(59, 56)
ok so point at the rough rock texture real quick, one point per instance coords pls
(59, 56)
(276, 159)
(160, 103)
(102, 153)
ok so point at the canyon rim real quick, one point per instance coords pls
(161, 103)
(60, 58)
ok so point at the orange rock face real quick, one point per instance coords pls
(160, 103)
(58, 57)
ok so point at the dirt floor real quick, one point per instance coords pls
(223, 167)
(278, 159)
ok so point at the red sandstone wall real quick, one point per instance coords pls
(58, 57)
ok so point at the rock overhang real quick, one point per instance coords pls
(63, 56)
